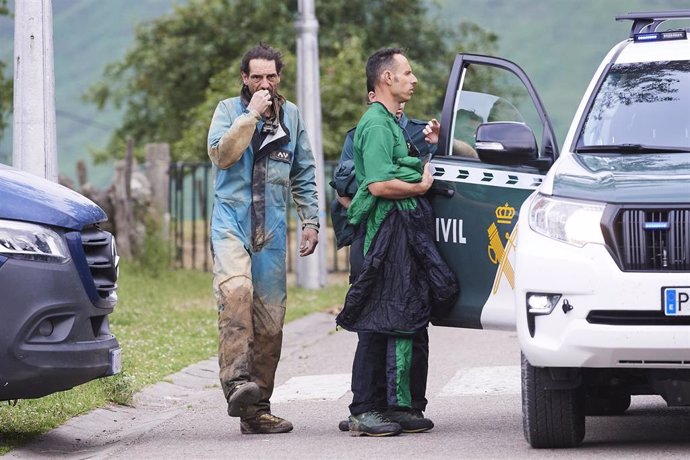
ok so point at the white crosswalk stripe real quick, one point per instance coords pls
(495, 380)
(312, 387)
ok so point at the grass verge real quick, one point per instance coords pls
(164, 322)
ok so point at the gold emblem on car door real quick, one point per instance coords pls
(498, 253)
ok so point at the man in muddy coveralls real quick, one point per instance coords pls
(260, 152)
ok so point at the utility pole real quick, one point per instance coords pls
(34, 139)
(311, 270)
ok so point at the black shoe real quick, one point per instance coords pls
(244, 394)
(264, 423)
(373, 423)
(344, 425)
(411, 421)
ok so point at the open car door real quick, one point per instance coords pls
(495, 146)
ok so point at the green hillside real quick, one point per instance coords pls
(88, 34)
(558, 42)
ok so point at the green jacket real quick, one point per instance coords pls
(374, 209)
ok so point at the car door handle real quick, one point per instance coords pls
(441, 190)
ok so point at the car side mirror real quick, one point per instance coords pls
(506, 143)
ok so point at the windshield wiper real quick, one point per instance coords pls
(630, 148)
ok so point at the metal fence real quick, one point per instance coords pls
(190, 204)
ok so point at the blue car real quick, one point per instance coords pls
(58, 282)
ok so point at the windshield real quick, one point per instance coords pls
(643, 104)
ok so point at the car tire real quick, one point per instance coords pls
(611, 403)
(550, 418)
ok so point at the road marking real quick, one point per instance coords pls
(312, 387)
(496, 380)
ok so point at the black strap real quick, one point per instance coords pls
(258, 194)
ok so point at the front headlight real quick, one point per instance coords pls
(571, 221)
(21, 240)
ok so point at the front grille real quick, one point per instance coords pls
(636, 318)
(102, 258)
(651, 239)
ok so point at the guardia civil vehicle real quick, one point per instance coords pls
(585, 250)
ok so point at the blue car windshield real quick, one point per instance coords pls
(643, 104)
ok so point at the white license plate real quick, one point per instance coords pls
(115, 361)
(676, 301)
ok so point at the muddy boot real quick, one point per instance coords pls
(264, 423)
(242, 396)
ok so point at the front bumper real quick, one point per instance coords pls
(590, 282)
(52, 336)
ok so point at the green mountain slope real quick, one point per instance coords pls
(87, 35)
(559, 43)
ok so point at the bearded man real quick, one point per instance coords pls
(261, 154)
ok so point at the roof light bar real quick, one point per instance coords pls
(660, 36)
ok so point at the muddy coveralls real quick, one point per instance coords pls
(255, 172)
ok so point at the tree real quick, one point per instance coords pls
(182, 64)
(5, 83)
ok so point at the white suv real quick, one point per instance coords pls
(594, 269)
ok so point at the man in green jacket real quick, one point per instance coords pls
(378, 145)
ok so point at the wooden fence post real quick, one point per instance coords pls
(122, 194)
(157, 171)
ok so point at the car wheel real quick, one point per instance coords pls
(550, 418)
(612, 403)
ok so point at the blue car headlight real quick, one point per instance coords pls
(22, 240)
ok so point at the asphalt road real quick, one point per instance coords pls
(474, 394)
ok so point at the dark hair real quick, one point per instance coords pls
(379, 62)
(262, 51)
